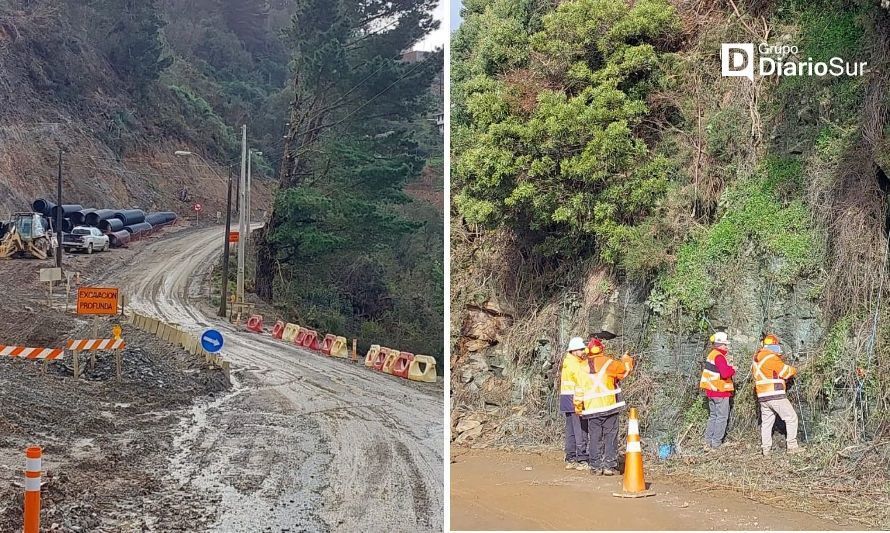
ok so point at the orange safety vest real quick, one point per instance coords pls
(602, 393)
(769, 377)
(710, 376)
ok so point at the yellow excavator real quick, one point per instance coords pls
(26, 236)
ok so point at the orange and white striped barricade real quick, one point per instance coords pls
(634, 484)
(255, 323)
(44, 354)
(402, 364)
(422, 368)
(326, 343)
(95, 345)
(278, 329)
(33, 467)
(371, 357)
(25, 352)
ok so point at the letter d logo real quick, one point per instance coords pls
(737, 59)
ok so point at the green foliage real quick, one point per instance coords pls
(723, 131)
(830, 361)
(132, 42)
(827, 29)
(195, 119)
(342, 219)
(570, 173)
(753, 213)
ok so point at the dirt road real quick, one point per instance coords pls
(303, 442)
(515, 490)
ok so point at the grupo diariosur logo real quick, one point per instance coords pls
(740, 60)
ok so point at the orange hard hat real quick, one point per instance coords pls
(595, 346)
(771, 339)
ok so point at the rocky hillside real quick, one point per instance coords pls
(607, 177)
(62, 85)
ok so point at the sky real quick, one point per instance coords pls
(455, 14)
(440, 36)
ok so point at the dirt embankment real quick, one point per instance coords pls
(106, 444)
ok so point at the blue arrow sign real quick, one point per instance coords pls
(212, 341)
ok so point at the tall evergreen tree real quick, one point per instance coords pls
(347, 77)
(132, 43)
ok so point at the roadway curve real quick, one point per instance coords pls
(303, 442)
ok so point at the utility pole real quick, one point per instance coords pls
(250, 155)
(225, 268)
(241, 228)
(247, 198)
(59, 214)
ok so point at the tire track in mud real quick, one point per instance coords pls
(303, 441)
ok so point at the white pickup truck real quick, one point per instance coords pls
(86, 239)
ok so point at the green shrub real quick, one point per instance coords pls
(753, 212)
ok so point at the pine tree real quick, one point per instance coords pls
(133, 43)
(347, 78)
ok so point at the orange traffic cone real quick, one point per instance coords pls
(634, 482)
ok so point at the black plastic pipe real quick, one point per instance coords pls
(43, 206)
(95, 217)
(67, 210)
(142, 227)
(111, 225)
(80, 217)
(119, 238)
(130, 216)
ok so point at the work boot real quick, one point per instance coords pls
(582, 466)
(596, 471)
(794, 450)
(571, 465)
(765, 452)
(609, 472)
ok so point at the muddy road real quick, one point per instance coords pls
(302, 442)
(495, 489)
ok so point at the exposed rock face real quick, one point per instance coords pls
(491, 389)
(484, 324)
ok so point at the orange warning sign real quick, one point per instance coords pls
(233, 236)
(97, 301)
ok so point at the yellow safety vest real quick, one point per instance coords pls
(602, 393)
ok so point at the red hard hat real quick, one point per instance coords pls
(595, 346)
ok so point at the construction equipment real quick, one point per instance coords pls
(26, 236)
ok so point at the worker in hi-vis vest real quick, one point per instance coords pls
(716, 381)
(601, 404)
(770, 374)
(574, 361)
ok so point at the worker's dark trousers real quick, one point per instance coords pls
(576, 438)
(603, 444)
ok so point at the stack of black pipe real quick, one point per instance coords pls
(120, 225)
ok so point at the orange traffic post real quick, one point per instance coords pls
(32, 489)
(634, 483)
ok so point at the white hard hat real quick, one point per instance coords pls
(720, 338)
(577, 343)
